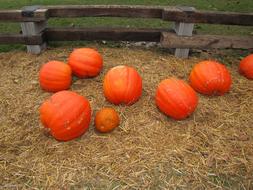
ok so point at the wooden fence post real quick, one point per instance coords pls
(183, 29)
(33, 28)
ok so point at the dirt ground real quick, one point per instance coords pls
(212, 149)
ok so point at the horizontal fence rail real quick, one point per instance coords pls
(171, 40)
(35, 32)
(113, 34)
(209, 17)
(20, 39)
(179, 14)
(19, 16)
(168, 38)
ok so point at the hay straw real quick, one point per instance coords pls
(212, 149)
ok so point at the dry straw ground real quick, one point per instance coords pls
(212, 149)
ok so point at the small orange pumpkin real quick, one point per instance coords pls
(106, 120)
(85, 62)
(210, 78)
(122, 84)
(55, 76)
(246, 67)
(67, 115)
(176, 98)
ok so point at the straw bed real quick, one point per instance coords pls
(213, 148)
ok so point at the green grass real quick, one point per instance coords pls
(221, 5)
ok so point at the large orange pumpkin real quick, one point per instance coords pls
(106, 120)
(85, 62)
(176, 98)
(55, 76)
(66, 114)
(210, 78)
(246, 67)
(122, 85)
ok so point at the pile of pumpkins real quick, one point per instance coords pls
(67, 114)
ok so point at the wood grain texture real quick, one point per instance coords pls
(114, 34)
(168, 38)
(16, 16)
(211, 17)
(20, 39)
(32, 29)
(171, 40)
(178, 14)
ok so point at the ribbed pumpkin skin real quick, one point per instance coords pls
(66, 114)
(210, 78)
(122, 85)
(246, 67)
(55, 76)
(85, 62)
(176, 98)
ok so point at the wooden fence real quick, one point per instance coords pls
(35, 32)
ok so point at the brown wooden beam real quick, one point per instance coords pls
(20, 39)
(211, 17)
(16, 16)
(114, 34)
(171, 40)
(179, 14)
(168, 38)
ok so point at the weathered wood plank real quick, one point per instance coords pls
(168, 39)
(166, 13)
(171, 40)
(20, 39)
(211, 17)
(16, 16)
(105, 11)
(114, 34)
(183, 29)
(31, 29)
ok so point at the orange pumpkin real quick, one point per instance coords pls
(66, 114)
(55, 76)
(176, 98)
(122, 84)
(85, 62)
(210, 78)
(106, 120)
(246, 67)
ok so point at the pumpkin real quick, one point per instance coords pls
(122, 85)
(85, 62)
(210, 78)
(176, 98)
(66, 114)
(246, 67)
(55, 76)
(106, 120)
